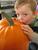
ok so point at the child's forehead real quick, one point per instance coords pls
(24, 8)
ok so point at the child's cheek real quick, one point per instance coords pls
(26, 20)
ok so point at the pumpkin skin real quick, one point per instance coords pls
(12, 37)
(4, 22)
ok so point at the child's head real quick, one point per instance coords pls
(24, 10)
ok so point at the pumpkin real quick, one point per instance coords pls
(12, 37)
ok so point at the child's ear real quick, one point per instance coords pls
(34, 13)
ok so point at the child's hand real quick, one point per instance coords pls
(27, 30)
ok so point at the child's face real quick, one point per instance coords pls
(24, 14)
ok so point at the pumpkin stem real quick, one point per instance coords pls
(9, 18)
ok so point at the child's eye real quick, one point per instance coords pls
(25, 14)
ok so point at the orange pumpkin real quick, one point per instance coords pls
(12, 37)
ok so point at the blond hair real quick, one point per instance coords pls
(23, 2)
